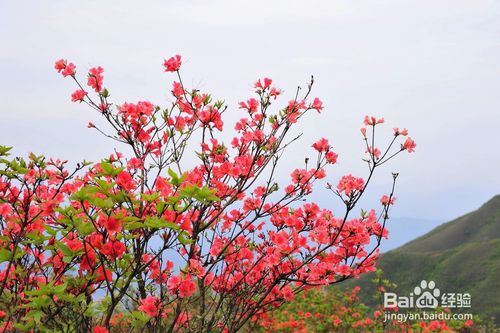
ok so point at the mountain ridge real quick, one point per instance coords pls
(461, 256)
(461, 229)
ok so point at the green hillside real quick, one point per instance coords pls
(460, 256)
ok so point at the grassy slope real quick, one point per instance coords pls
(461, 256)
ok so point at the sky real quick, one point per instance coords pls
(430, 66)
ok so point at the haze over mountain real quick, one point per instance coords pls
(405, 229)
(461, 256)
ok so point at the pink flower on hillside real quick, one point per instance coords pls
(78, 95)
(95, 78)
(60, 65)
(177, 89)
(183, 286)
(348, 184)
(5, 209)
(150, 306)
(251, 105)
(403, 132)
(100, 329)
(173, 64)
(317, 105)
(331, 157)
(125, 180)
(263, 85)
(372, 121)
(70, 70)
(375, 152)
(384, 200)
(187, 287)
(113, 225)
(409, 145)
(321, 145)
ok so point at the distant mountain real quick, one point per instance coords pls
(461, 256)
(405, 229)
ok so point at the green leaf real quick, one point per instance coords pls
(60, 289)
(18, 166)
(65, 249)
(105, 185)
(188, 191)
(39, 302)
(107, 168)
(133, 225)
(158, 222)
(141, 319)
(5, 255)
(104, 93)
(102, 203)
(80, 195)
(183, 238)
(120, 197)
(150, 197)
(174, 179)
(84, 228)
(203, 194)
(36, 238)
(90, 312)
(67, 211)
(25, 327)
(4, 150)
(50, 230)
(160, 206)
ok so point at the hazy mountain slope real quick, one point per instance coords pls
(460, 256)
(405, 229)
(478, 226)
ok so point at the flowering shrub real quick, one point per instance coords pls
(139, 241)
(331, 309)
(334, 310)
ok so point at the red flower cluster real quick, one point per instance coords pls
(150, 306)
(65, 68)
(95, 78)
(173, 64)
(409, 145)
(78, 95)
(350, 185)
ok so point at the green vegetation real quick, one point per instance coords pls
(460, 256)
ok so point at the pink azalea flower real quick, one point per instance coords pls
(173, 64)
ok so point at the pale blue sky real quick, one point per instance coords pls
(431, 66)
